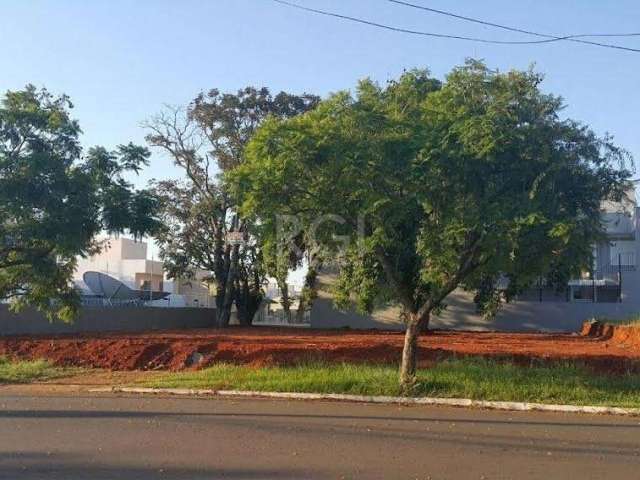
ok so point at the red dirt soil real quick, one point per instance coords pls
(622, 335)
(176, 350)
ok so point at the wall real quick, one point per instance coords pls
(130, 319)
(132, 250)
(194, 292)
(460, 314)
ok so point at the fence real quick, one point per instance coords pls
(603, 286)
(124, 319)
(174, 301)
(267, 316)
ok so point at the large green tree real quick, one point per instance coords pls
(204, 231)
(54, 200)
(440, 186)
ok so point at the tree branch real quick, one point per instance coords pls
(405, 297)
(468, 263)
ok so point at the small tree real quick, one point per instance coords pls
(440, 186)
(207, 141)
(54, 201)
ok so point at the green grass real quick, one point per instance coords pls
(25, 371)
(468, 378)
(632, 320)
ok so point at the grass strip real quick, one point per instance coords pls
(25, 371)
(630, 321)
(475, 378)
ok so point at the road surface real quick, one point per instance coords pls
(133, 437)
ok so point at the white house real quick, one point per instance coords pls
(127, 260)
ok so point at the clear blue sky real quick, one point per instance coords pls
(121, 60)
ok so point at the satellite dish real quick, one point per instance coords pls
(106, 286)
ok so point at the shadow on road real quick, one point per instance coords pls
(149, 414)
(35, 465)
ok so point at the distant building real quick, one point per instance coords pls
(613, 277)
(126, 260)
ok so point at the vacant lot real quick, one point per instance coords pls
(176, 350)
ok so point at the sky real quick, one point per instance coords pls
(120, 60)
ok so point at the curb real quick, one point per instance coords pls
(450, 402)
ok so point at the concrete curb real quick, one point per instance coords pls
(450, 402)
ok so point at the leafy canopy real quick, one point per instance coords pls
(440, 185)
(206, 140)
(54, 201)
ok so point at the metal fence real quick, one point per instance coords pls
(267, 316)
(601, 286)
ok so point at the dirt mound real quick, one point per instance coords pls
(176, 350)
(623, 336)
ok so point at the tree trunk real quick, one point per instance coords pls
(410, 351)
(308, 294)
(240, 299)
(224, 315)
(254, 303)
(223, 312)
(248, 303)
(285, 301)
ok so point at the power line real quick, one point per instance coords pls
(414, 32)
(571, 38)
(548, 38)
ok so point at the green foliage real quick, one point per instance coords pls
(358, 280)
(54, 201)
(439, 185)
(24, 371)
(229, 119)
(630, 321)
(199, 212)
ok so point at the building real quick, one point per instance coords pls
(127, 260)
(272, 312)
(611, 289)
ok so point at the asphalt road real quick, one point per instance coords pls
(108, 437)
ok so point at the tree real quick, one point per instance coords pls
(54, 201)
(288, 242)
(286, 245)
(440, 186)
(207, 140)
